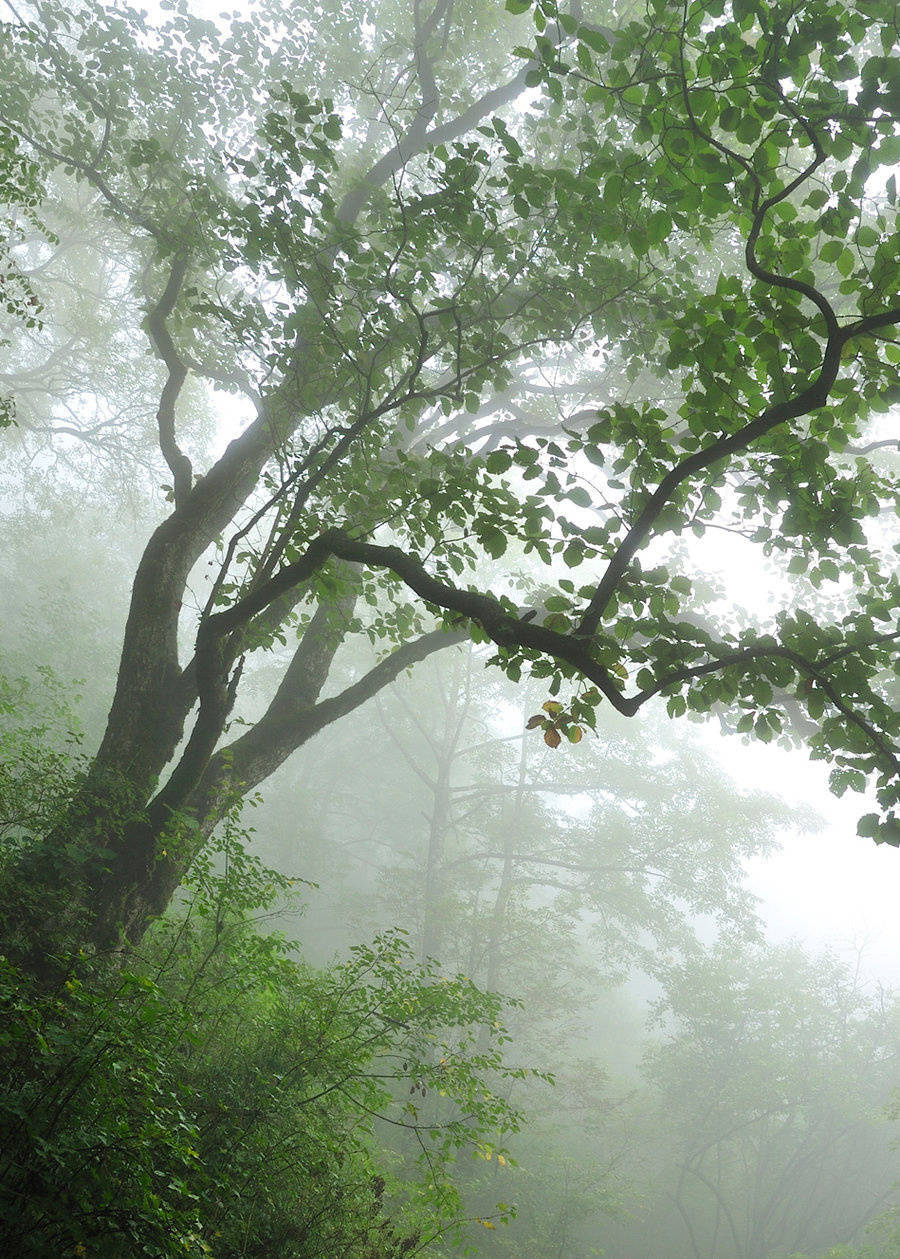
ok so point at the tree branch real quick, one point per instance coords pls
(178, 462)
(415, 142)
(508, 630)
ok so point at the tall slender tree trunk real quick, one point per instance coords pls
(440, 819)
(497, 929)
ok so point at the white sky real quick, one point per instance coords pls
(831, 888)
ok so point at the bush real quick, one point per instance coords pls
(212, 1094)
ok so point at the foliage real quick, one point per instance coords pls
(883, 1243)
(583, 312)
(213, 1095)
(552, 878)
(739, 129)
(39, 736)
(21, 192)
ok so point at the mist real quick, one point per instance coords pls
(449, 739)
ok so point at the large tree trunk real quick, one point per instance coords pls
(116, 860)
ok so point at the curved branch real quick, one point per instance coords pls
(510, 631)
(177, 460)
(811, 398)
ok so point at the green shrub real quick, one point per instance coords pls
(212, 1094)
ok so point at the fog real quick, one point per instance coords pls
(449, 740)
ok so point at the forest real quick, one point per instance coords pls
(449, 629)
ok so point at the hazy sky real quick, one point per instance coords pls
(830, 888)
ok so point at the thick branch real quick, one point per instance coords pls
(508, 630)
(293, 719)
(300, 687)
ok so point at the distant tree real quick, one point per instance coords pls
(504, 857)
(699, 199)
(772, 1077)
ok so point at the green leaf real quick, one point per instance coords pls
(748, 130)
(494, 541)
(498, 461)
(846, 262)
(594, 39)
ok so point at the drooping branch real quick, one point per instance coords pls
(812, 670)
(510, 631)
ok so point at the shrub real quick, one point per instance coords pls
(212, 1094)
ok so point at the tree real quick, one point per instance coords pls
(503, 857)
(20, 194)
(361, 264)
(772, 1076)
(470, 840)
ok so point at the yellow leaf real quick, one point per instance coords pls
(501, 1160)
(488, 1224)
(552, 706)
(575, 734)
